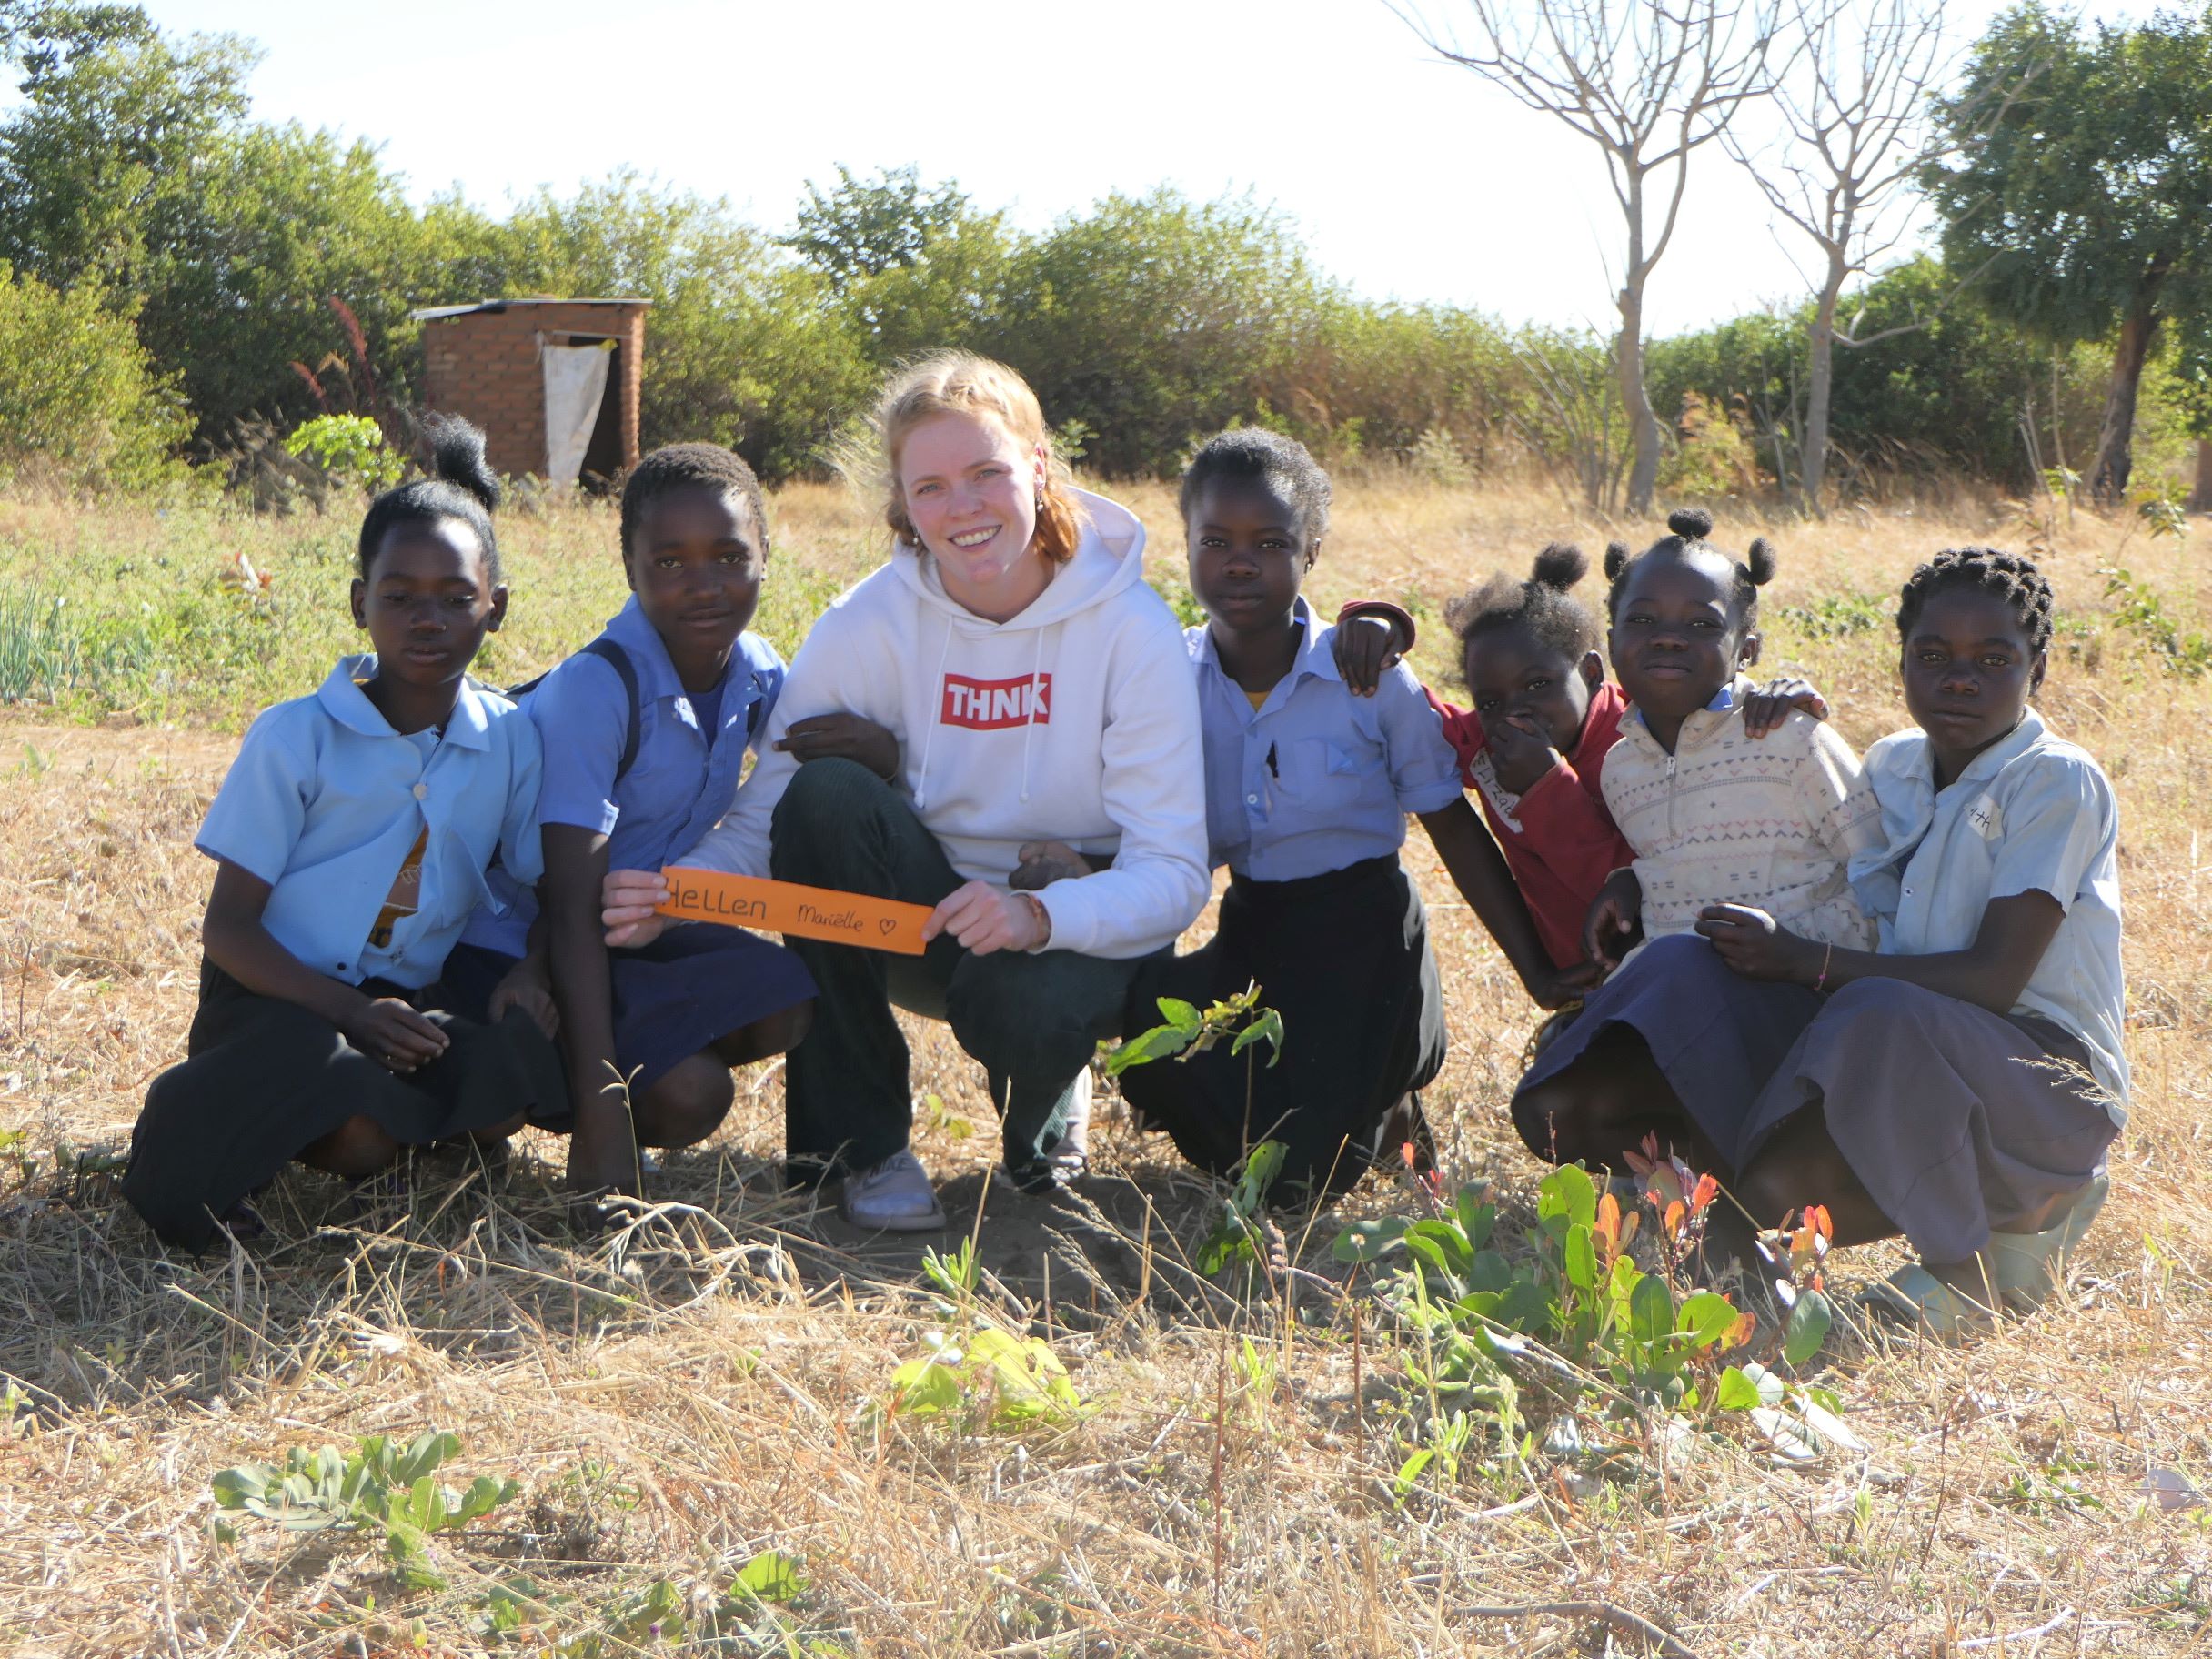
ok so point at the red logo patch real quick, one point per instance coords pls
(993, 705)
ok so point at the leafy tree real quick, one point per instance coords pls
(865, 226)
(743, 346)
(2089, 194)
(1154, 321)
(82, 407)
(100, 157)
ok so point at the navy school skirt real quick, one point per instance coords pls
(1344, 957)
(672, 998)
(1716, 1036)
(265, 1078)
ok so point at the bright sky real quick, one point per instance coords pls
(1410, 177)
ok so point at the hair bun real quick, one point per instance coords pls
(1616, 559)
(1560, 566)
(457, 456)
(1694, 523)
(1759, 559)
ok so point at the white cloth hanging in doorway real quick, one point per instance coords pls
(576, 383)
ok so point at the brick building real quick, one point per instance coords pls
(497, 363)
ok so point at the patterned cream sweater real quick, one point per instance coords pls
(1731, 820)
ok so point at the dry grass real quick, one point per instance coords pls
(674, 1401)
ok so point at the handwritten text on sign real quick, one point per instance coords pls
(785, 907)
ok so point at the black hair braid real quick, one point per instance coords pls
(1690, 528)
(461, 486)
(2010, 576)
(682, 465)
(1542, 606)
(1255, 454)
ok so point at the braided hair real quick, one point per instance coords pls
(1542, 606)
(1690, 526)
(677, 466)
(1255, 454)
(461, 486)
(2010, 576)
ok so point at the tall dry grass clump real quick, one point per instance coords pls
(699, 1413)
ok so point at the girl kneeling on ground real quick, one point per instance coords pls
(351, 839)
(1962, 1086)
(1307, 791)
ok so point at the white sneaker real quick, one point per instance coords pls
(895, 1196)
(1074, 1150)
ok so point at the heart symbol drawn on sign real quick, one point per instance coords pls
(888, 923)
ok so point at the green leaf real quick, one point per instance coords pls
(1705, 1318)
(771, 1576)
(1366, 1240)
(1808, 1327)
(1158, 1043)
(923, 1387)
(1651, 1311)
(1737, 1393)
(1581, 1258)
(1477, 1216)
(1565, 1198)
(1182, 1015)
(1449, 1240)
(1266, 1024)
(1410, 1471)
(235, 1488)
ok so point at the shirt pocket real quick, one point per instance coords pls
(1326, 776)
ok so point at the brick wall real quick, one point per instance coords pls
(485, 366)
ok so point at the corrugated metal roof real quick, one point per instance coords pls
(433, 313)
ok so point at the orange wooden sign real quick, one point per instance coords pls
(785, 907)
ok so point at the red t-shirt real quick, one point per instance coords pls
(1559, 840)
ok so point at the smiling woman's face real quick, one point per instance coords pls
(971, 491)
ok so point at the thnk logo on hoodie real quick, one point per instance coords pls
(994, 705)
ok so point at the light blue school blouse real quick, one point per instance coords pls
(325, 801)
(677, 786)
(1317, 779)
(2031, 814)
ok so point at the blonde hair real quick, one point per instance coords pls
(961, 383)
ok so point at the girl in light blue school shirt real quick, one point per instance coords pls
(1307, 793)
(646, 731)
(352, 839)
(1961, 1085)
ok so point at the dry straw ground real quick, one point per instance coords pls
(677, 1400)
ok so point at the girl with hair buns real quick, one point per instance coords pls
(1672, 1045)
(1532, 750)
(1038, 692)
(351, 840)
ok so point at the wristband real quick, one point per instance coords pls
(1042, 916)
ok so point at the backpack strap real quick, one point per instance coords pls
(617, 658)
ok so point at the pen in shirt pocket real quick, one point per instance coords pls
(1273, 771)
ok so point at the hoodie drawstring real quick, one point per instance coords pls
(1029, 710)
(937, 708)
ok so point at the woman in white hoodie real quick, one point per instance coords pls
(1039, 692)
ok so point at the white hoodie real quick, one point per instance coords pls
(1076, 721)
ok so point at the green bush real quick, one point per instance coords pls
(82, 408)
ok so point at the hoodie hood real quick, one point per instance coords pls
(1109, 557)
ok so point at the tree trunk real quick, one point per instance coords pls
(2115, 437)
(2200, 499)
(1820, 379)
(1642, 424)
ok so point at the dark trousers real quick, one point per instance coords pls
(1033, 1022)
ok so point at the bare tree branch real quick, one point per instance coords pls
(1649, 82)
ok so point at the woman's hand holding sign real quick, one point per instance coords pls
(985, 919)
(629, 903)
